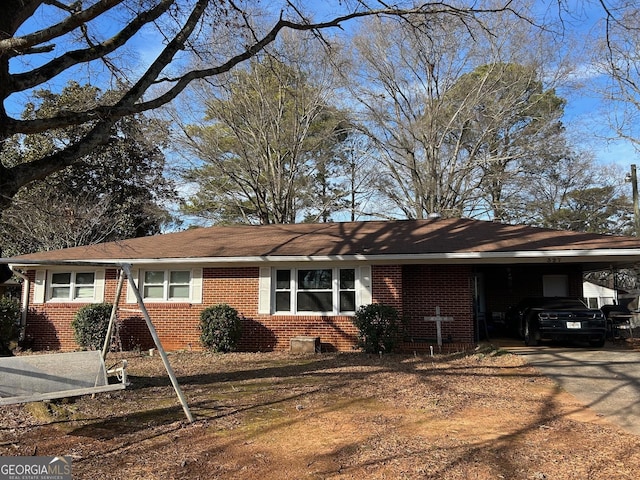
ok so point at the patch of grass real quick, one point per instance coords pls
(59, 412)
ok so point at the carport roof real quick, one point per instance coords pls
(417, 240)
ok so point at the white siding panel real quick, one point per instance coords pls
(39, 286)
(365, 285)
(196, 285)
(98, 295)
(131, 296)
(264, 291)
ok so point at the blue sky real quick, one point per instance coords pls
(586, 114)
(584, 111)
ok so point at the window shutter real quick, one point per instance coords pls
(365, 285)
(196, 285)
(131, 296)
(264, 291)
(98, 292)
(39, 286)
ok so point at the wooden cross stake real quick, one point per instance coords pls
(439, 319)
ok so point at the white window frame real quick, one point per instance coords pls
(592, 302)
(166, 285)
(72, 285)
(335, 290)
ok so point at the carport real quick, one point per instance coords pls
(500, 286)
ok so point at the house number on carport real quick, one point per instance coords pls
(553, 260)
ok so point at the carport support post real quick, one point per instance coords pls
(176, 386)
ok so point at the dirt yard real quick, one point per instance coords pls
(484, 415)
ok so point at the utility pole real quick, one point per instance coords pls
(633, 178)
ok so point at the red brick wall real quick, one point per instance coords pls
(274, 332)
(386, 285)
(49, 324)
(422, 289)
(238, 287)
(50, 328)
(449, 287)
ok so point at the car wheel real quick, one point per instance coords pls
(599, 343)
(530, 339)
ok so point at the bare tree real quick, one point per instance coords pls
(37, 226)
(453, 111)
(620, 65)
(508, 121)
(75, 36)
(403, 72)
(359, 174)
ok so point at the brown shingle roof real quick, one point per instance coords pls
(403, 237)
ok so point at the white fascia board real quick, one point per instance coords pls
(454, 257)
(532, 256)
(80, 263)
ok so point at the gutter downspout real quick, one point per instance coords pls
(26, 287)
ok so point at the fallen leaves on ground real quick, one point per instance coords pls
(480, 415)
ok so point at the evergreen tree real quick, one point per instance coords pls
(118, 191)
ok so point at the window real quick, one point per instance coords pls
(320, 290)
(166, 285)
(592, 302)
(347, 290)
(597, 302)
(72, 286)
(315, 291)
(607, 301)
(179, 284)
(154, 285)
(283, 290)
(84, 286)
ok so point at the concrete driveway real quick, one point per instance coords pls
(607, 380)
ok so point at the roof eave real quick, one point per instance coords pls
(616, 256)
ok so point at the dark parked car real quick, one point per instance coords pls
(557, 318)
(619, 321)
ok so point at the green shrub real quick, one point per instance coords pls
(220, 327)
(90, 325)
(379, 327)
(9, 319)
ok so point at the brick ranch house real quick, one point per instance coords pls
(308, 279)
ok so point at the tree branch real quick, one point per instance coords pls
(105, 116)
(46, 72)
(23, 45)
(128, 105)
